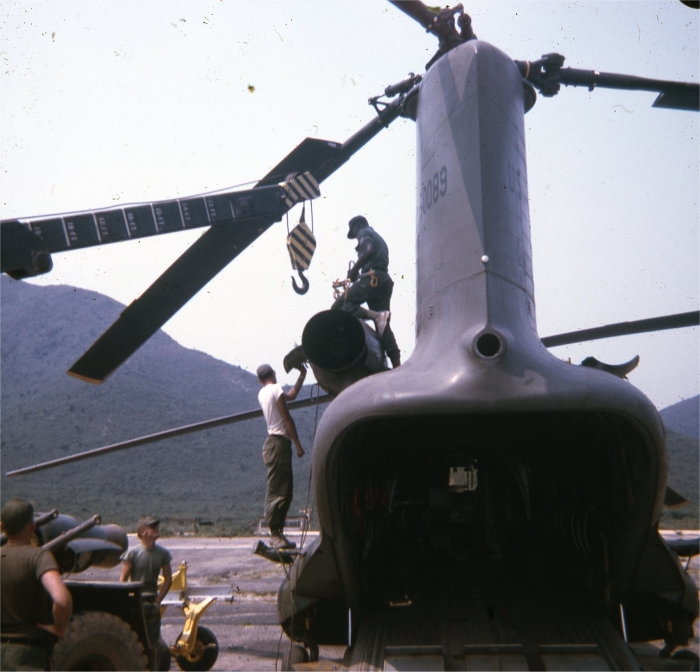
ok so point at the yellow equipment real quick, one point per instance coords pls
(196, 647)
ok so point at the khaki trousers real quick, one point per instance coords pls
(277, 456)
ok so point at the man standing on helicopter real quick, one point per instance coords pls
(371, 284)
(277, 450)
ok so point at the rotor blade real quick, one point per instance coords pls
(311, 154)
(417, 11)
(688, 99)
(691, 319)
(28, 242)
(548, 75)
(172, 290)
(322, 158)
(674, 95)
(160, 436)
(673, 499)
(212, 253)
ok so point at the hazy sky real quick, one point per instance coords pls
(115, 102)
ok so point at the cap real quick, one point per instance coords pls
(15, 515)
(148, 521)
(264, 371)
(359, 219)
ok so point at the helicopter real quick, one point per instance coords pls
(402, 487)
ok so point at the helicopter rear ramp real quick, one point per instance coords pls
(490, 619)
(476, 637)
(482, 616)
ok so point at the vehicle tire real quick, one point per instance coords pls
(204, 654)
(686, 654)
(295, 654)
(163, 662)
(97, 640)
(313, 653)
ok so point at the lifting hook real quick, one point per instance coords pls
(304, 283)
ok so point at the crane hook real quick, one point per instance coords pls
(304, 283)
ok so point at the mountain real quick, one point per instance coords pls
(683, 417)
(682, 443)
(217, 475)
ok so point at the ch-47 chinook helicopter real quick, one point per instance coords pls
(485, 499)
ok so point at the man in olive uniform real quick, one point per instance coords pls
(144, 563)
(371, 285)
(29, 581)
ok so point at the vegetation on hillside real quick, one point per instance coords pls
(683, 469)
(682, 422)
(215, 476)
(212, 481)
(683, 417)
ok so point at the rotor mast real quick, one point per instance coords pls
(547, 73)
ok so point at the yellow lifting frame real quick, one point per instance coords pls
(187, 645)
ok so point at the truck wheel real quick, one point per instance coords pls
(204, 654)
(99, 641)
(295, 654)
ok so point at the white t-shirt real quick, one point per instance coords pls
(268, 397)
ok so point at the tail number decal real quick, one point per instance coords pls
(432, 190)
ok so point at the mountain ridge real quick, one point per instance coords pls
(683, 417)
(216, 475)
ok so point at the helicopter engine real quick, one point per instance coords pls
(341, 350)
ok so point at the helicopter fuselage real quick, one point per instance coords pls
(484, 461)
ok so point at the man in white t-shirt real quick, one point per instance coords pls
(277, 450)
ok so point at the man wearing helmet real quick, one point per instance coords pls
(371, 284)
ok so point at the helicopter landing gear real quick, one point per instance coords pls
(687, 655)
(298, 652)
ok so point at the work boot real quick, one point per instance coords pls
(279, 541)
(380, 319)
